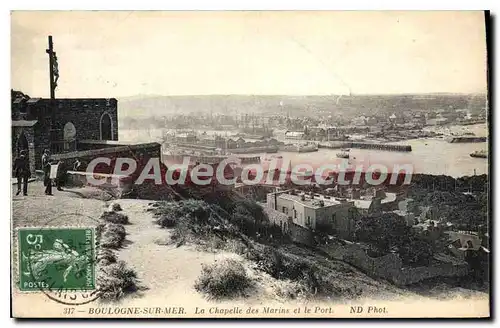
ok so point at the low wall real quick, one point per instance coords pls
(149, 150)
(115, 184)
(412, 275)
(298, 234)
(390, 266)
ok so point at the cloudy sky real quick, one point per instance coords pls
(117, 54)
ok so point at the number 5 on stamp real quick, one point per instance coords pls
(56, 259)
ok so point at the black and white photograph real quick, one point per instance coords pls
(250, 164)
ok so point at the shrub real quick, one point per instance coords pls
(110, 235)
(116, 280)
(291, 289)
(236, 246)
(115, 207)
(114, 217)
(198, 212)
(223, 279)
(106, 256)
(304, 276)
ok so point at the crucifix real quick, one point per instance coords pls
(53, 68)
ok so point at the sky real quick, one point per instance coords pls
(121, 54)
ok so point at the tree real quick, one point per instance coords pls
(388, 232)
(382, 231)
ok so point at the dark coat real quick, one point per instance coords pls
(22, 167)
(46, 164)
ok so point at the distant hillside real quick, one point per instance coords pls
(157, 106)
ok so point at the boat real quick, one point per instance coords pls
(343, 155)
(299, 148)
(272, 157)
(479, 154)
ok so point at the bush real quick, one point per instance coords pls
(110, 235)
(106, 256)
(114, 217)
(115, 207)
(223, 279)
(198, 221)
(291, 289)
(305, 277)
(195, 211)
(116, 280)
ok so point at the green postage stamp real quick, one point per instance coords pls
(56, 259)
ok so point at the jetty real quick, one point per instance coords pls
(365, 145)
(467, 139)
(206, 159)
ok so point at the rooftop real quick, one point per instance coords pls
(363, 204)
(311, 202)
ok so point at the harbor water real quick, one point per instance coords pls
(428, 156)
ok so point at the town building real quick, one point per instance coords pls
(380, 201)
(294, 135)
(187, 137)
(83, 128)
(315, 212)
(60, 124)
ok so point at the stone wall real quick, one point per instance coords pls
(115, 185)
(391, 267)
(297, 233)
(29, 133)
(149, 150)
(86, 114)
(300, 234)
(42, 132)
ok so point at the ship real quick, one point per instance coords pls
(300, 148)
(343, 154)
(479, 154)
(273, 157)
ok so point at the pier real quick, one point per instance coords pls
(467, 139)
(365, 145)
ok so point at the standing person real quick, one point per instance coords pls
(47, 182)
(22, 172)
(61, 175)
(77, 165)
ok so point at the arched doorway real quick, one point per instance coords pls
(69, 137)
(106, 126)
(22, 144)
(19, 144)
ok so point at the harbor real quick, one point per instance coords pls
(365, 145)
(436, 156)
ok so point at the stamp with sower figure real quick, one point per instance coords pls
(57, 260)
